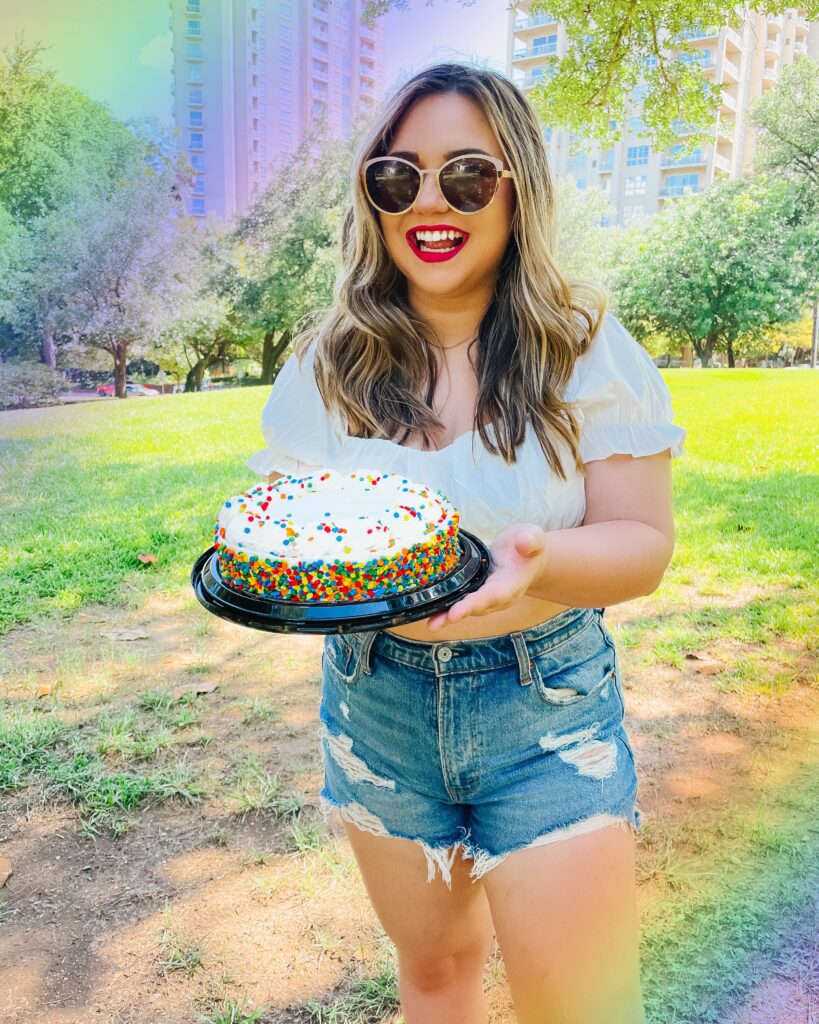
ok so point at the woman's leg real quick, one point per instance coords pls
(442, 937)
(566, 919)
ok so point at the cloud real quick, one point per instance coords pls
(158, 53)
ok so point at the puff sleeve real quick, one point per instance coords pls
(622, 401)
(295, 423)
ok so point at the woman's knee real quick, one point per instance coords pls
(430, 971)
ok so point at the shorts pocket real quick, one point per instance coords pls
(341, 656)
(575, 670)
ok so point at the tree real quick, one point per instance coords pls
(125, 278)
(207, 329)
(53, 138)
(726, 265)
(610, 48)
(290, 238)
(788, 143)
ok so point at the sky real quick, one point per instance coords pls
(119, 51)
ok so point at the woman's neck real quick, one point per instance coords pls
(454, 321)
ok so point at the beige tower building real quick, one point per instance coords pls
(251, 76)
(636, 178)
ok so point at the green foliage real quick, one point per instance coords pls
(26, 385)
(53, 138)
(607, 47)
(726, 265)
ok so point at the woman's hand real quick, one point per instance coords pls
(518, 557)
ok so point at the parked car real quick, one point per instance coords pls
(106, 390)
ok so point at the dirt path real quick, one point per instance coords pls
(197, 904)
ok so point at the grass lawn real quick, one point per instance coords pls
(721, 699)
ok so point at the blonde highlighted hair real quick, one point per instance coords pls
(373, 363)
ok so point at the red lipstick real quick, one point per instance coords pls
(429, 256)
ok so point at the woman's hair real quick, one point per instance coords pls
(372, 357)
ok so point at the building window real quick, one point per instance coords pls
(345, 61)
(319, 67)
(194, 28)
(197, 140)
(199, 185)
(635, 124)
(194, 51)
(636, 155)
(284, 10)
(579, 161)
(635, 184)
(198, 164)
(675, 183)
(630, 212)
(320, 7)
(580, 182)
(198, 207)
(284, 52)
(195, 95)
(285, 95)
(320, 48)
(194, 7)
(194, 73)
(286, 116)
(195, 119)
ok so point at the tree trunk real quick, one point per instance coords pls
(48, 352)
(704, 350)
(730, 353)
(271, 352)
(120, 359)
(814, 349)
(193, 380)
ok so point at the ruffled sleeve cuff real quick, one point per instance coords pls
(622, 401)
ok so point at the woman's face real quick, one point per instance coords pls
(429, 134)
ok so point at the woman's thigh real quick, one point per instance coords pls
(565, 916)
(429, 922)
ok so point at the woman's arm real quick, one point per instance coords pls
(619, 552)
(625, 542)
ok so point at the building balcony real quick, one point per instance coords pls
(698, 33)
(729, 70)
(728, 102)
(537, 21)
(773, 49)
(801, 26)
(671, 191)
(691, 160)
(770, 77)
(722, 163)
(532, 52)
(733, 40)
(193, 8)
(776, 23)
(606, 168)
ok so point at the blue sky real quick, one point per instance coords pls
(118, 51)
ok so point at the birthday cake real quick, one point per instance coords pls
(331, 537)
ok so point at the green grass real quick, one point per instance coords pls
(86, 488)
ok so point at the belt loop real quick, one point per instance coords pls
(522, 652)
(366, 645)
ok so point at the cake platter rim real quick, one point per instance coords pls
(310, 617)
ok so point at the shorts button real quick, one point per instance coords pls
(444, 653)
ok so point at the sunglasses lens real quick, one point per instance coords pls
(392, 185)
(469, 183)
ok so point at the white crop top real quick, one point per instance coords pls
(623, 406)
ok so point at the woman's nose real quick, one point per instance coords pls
(429, 198)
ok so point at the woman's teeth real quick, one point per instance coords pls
(438, 241)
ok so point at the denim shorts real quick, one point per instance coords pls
(485, 745)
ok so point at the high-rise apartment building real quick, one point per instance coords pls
(251, 76)
(636, 178)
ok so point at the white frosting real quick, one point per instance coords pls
(374, 514)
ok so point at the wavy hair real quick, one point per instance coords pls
(373, 361)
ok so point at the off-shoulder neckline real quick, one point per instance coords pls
(408, 448)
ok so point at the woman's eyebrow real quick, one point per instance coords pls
(408, 155)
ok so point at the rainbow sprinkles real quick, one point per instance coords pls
(331, 538)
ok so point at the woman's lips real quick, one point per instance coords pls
(430, 256)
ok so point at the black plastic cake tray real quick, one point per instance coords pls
(228, 602)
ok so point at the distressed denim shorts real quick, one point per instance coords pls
(485, 745)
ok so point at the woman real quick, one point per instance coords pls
(494, 729)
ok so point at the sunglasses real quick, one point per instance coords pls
(467, 183)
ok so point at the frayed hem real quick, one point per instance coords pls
(484, 862)
(440, 857)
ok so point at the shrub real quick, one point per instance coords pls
(26, 385)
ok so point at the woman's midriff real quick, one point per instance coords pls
(523, 614)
